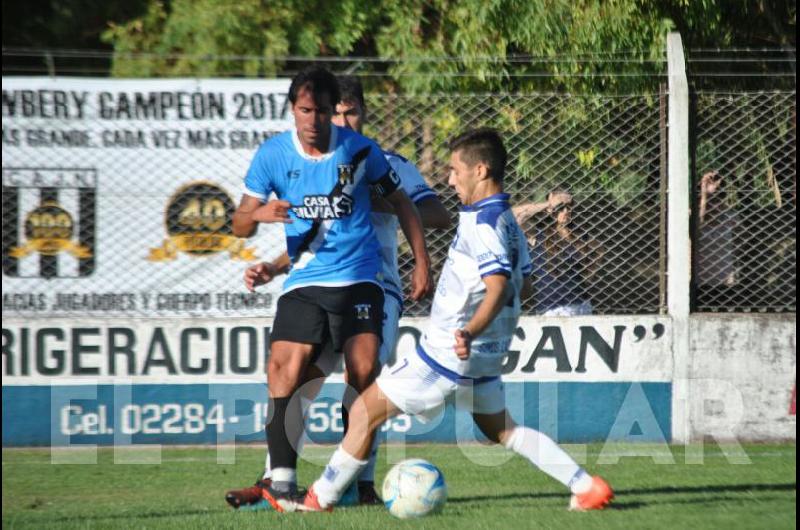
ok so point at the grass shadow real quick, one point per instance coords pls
(666, 490)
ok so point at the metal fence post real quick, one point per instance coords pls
(678, 240)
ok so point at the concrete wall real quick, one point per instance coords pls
(742, 376)
(103, 381)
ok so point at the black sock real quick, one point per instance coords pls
(282, 454)
(345, 419)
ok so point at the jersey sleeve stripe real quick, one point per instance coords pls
(503, 264)
(257, 195)
(502, 272)
(422, 194)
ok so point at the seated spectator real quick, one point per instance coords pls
(562, 260)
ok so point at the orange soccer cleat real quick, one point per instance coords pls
(311, 503)
(597, 498)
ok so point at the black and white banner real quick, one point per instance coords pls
(118, 195)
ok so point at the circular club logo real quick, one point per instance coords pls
(198, 220)
(48, 230)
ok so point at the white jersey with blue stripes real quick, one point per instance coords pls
(330, 241)
(488, 241)
(386, 224)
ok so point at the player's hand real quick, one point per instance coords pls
(275, 211)
(259, 274)
(463, 345)
(421, 281)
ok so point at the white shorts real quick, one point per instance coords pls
(417, 388)
(328, 360)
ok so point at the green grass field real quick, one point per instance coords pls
(186, 490)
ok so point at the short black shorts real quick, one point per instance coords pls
(316, 315)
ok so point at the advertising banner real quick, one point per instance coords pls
(202, 381)
(118, 195)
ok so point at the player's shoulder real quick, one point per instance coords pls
(278, 143)
(396, 158)
(353, 141)
(403, 166)
(491, 209)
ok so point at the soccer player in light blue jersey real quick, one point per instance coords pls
(474, 315)
(350, 113)
(322, 176)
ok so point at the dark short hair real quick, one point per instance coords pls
(482, 145)
(318, 80)
(351, 90)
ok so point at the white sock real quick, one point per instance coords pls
(284, 474)
(543, 452)
(267, 468)
(341, 470)
(368, 475)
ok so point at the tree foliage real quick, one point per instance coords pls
(432, 45)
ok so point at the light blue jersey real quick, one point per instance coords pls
(331, 241)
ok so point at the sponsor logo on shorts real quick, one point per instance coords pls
(362, 311)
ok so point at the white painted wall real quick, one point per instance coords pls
(742, 374)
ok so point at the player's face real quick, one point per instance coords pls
(312, 118)
(349, 114)
(463, 178)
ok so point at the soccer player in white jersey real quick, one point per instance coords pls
(474, 315)
(350, 113)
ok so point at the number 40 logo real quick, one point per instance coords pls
(198, 221)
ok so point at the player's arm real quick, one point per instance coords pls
(243, 223)
(527, 288)
(498, 290)
(410, 222)
(251, 212)
(433, 213)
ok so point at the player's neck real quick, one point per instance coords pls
(319, 147)
(484, 189)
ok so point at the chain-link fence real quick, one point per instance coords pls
(745, 201)
(607, 257)
(119, 206)
(116, 213)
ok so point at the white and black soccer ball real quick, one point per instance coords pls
(414, 488)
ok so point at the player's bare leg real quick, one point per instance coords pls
(588, 492)
(368, 413)
(362, 367)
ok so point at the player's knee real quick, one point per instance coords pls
(504, 435)
(361, 375)
(493, 435)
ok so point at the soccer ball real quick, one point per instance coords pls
(414, 488)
